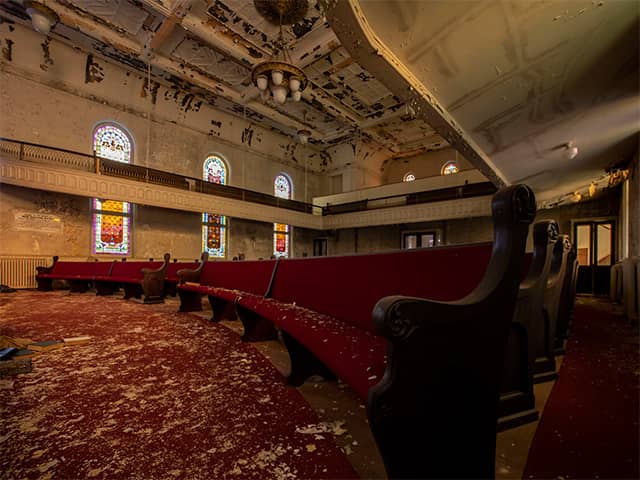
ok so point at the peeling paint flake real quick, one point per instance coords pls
(93, 71)
(8, 50)
(46, 55)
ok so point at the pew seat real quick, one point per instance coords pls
(223, 282)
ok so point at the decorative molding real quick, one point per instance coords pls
(86, 184)
(73, 182)
(451, 209)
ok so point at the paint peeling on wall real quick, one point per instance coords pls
(325, 160)
(155, 86)
(7, 51)
(247, 135)
(46, 56)
(93, 71)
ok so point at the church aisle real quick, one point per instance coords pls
(590, 425)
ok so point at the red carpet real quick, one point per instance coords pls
(156, 394)
(589, 428)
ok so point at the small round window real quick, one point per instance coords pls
(450, 168)
(408, 177)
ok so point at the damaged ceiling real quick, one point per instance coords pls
(221, 41)
(505, 82)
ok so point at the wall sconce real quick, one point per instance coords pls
(42, 17)
(571, 151)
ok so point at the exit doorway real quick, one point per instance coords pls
(596, 254)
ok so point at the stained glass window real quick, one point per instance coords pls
(409, 177)
(111, 218)
(111, 227)
(214, 226)
(112, 143)
(450, 168)
(282, 189)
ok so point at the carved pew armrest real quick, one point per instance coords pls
(48, 269)
(191, 275)
(161, 269)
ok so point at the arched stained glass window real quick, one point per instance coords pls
(214, 227)
(282, 189)
(450, 168)
(111, 218)
(408, 177)
(112, 143)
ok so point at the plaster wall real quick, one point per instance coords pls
(154, 230)
(428, 164)
(49, 97)
(253, 239)
(74, 217)
(466, 230)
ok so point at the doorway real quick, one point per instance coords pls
(595, 250)
(319, 247)
(418, 240)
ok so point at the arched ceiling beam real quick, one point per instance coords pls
(350, 25)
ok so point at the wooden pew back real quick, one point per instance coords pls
(250, 276)
(132, 270)
(348, 287)
(63, 269)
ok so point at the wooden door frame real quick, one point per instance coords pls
(594, 222)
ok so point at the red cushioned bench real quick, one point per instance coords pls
(79, 275)
(223, 282)
(325, 303)
(172, 279)
(429, 369)
(137, 278)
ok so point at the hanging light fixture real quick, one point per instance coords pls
(278, 77)
(43, 18)
(571, 150)
(303, 136)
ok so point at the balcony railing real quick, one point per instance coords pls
(91, 163)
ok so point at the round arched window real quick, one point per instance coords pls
(450, 168)
(408, 177)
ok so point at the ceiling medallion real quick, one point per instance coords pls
(278, 77)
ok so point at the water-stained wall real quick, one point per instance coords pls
(68, 230)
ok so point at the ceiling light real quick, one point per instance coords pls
(278, 77)
(303, 136)
(42, 17)
(571, 151)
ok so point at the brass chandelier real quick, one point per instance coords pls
(278, 77)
